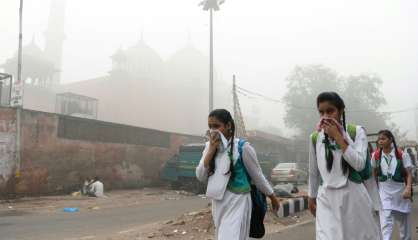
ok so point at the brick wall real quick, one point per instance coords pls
(58, 151)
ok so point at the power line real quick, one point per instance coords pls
(252, 95)
(248, 92)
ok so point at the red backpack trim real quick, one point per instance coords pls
(399, 154)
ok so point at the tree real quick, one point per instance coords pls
(303, 85)
(363, 97)
(361, 93)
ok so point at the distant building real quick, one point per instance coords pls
(141, 89)
(38, 70)
(41, 68)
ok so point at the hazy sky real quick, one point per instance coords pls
(260, 41)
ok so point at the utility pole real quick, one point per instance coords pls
(239, 119)
(20, 84)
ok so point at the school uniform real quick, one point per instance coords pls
(345, 209)
(231, 198)
(395, 209)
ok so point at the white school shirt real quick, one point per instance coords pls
(355, 156)
(217, 183)
(391, 191)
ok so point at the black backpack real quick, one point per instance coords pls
(259, 205)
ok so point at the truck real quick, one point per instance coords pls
(179, 171)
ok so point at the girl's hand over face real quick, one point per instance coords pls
(331, 129)
(215, 139)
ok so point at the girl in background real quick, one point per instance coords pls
(392, 167)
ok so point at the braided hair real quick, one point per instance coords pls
(389, 134)
(225, 117)
(334, 99)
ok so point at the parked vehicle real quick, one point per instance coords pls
(288, 173)
(180, 170)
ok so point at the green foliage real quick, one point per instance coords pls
(361, 93)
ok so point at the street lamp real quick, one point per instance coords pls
(211, 5)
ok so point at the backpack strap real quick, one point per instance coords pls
(378, 159)
(241, 143)
(357, 177)
(352, 131)
(377, 154)
(257, 197)
(314, 139)
(399, 154)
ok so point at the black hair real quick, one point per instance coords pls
(390, 135)
(225, 117)
(334, 99)
(96, 178)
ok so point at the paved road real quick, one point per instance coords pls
(307, 231)
(100, 222)
(109, 221)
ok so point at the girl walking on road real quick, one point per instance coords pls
(338, 162)
(392, 167)
(229, 174)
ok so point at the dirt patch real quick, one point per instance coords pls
(198, 225)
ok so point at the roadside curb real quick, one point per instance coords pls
(292, 206)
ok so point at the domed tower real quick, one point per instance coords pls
(188, 66)
(143, 62)
(119, 64)
(37, 70)
(140, 62)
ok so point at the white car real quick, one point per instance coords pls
(288, 173)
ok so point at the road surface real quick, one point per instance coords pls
(77, 225)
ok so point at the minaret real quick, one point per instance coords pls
(55, 36)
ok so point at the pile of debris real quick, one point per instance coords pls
(193, 225)
(199, 225)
